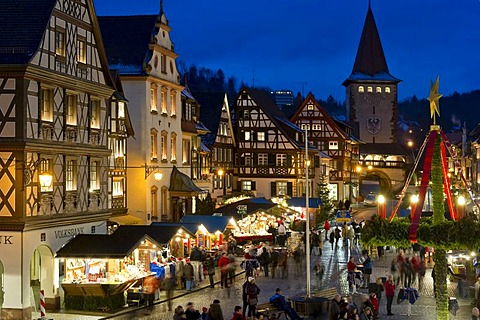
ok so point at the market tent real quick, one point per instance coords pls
(102, 246)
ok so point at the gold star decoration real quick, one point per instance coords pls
(434, 99)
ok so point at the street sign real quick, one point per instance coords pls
(343, 216)
(242, 210)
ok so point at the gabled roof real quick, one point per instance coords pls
(126, 40)
(253, 205)
(159, 233)
(211, 223)
(180, 182)
(370, 63)
(211, 104)
(22, 25)
(120, 95)
(383, 148)
(268, 106)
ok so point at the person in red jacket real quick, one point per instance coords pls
(326, 226)
(224, 264)
(389, 293)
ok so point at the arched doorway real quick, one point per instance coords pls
(376, 182)
(42, 275)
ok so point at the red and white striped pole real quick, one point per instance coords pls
(42, 304)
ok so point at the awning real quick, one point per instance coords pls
(126, 220)
(300, 202)
(180, 182)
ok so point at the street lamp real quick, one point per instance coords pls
(413, 205)
(153, 169)
(45, 181)
(381, 207)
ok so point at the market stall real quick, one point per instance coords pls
(210, 231)
(100, 271)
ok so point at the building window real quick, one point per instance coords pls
(95, 114)
(164, 101)
(369, 89)
(173, 141)
(305, 126)
(117, 187)
(282, 188)
(247, 136)
(163, 61)
(164, 146)
(72, 109)
(281, 160)
(164, 200)
(361, 89)
(173, 100)
(246, 185)
(153, 144)
(186, 151)
(70, 181)
(153, 98)
(81, 51)
(378, 89)
(333, 145)
(263, 159)
(47, 105)
(261, 136)
(60, 43)
(121, 110)
(154, 202)
(310, 107)
(387, 89)
(316, 127)
(94, 176)
(248, 159)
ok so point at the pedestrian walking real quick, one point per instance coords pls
(326, 227)
(344, 234)
(477, 292)
(150, 286)
(378, 288)
(188, 274)
(169, 287)
(332, 238)
(252, 291)
(367, 267)
(223, 263)
(211, 270)
(350, 236)
(315, 241)
(232, 268)
(215, 311)
(283, 263)
(204, 315)
(408, 273)
(244, 294)
(191, 313)
(338, 235)
(389, 293)
(297, 257)
(265, 260)
(274, 257)
(281, 234)
(179, 273)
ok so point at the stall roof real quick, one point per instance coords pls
(191, 227)
(211, 223)
(160, 233)
(101, 246)
(253, 205)
(300, 202)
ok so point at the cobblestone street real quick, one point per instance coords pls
(335, 276)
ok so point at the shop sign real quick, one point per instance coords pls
(6, 239)
(68, 233)
(343, 216)
(242, 209)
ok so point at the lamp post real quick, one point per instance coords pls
(157, 175)
(461, 206)
(413, 205)
(45, 181)
(307, 226)
(381, 207)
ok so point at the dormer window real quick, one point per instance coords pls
(361, 89)
(369, 89)
(387, 89)
(378, 89)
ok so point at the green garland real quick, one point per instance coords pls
(446, 235)
(436, 177)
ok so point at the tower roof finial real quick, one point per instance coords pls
(161, 6)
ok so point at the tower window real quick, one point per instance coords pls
(369, 89)
(387, 89)
(361, 89)
(379, 89)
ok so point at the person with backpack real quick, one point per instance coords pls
(252, 291)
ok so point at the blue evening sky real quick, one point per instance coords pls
(282, 43)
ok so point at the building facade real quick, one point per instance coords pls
(62, 117)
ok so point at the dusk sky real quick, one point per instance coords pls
(283, 43)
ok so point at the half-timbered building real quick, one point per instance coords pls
(60, 119)
(270, 150)
(141, 49)
(216, 116)
(328, 136)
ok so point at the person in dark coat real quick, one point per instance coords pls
(338, 234)
(188, 274)
(265, 260)
(334, 311)
(274, 257)
(252, 297)
(169, 287)
(211, 270)
(332, 238)
(215, 312)
(244, 295)
(191, 312)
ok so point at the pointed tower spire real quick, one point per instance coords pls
(370, 57)
(161, 7)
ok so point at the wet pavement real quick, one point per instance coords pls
(334, 262)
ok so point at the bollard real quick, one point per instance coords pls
(42, 304)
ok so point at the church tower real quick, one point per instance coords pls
(371, 89)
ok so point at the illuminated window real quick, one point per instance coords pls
(164, 101)
(117, 187)
(173, 99)
(94, 175)
(70, 181)
(186, 151)
(153, 144)
(246, 185)
(261, 136)
(281, 160)
(164, 145)
(317, 127)
(333, 145)
(95, 114)
(47, 104)
(72, 109)
(310, 107)
(173, 140)
(60, 43)
(121, 110)
(247, 136)
(378, 89)
(361, 89)
(154, 202)
(81, 51)
(153, 98)
(263, 159)
(282, 188)
(387, 89)
(369, 89)
(305, 126)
